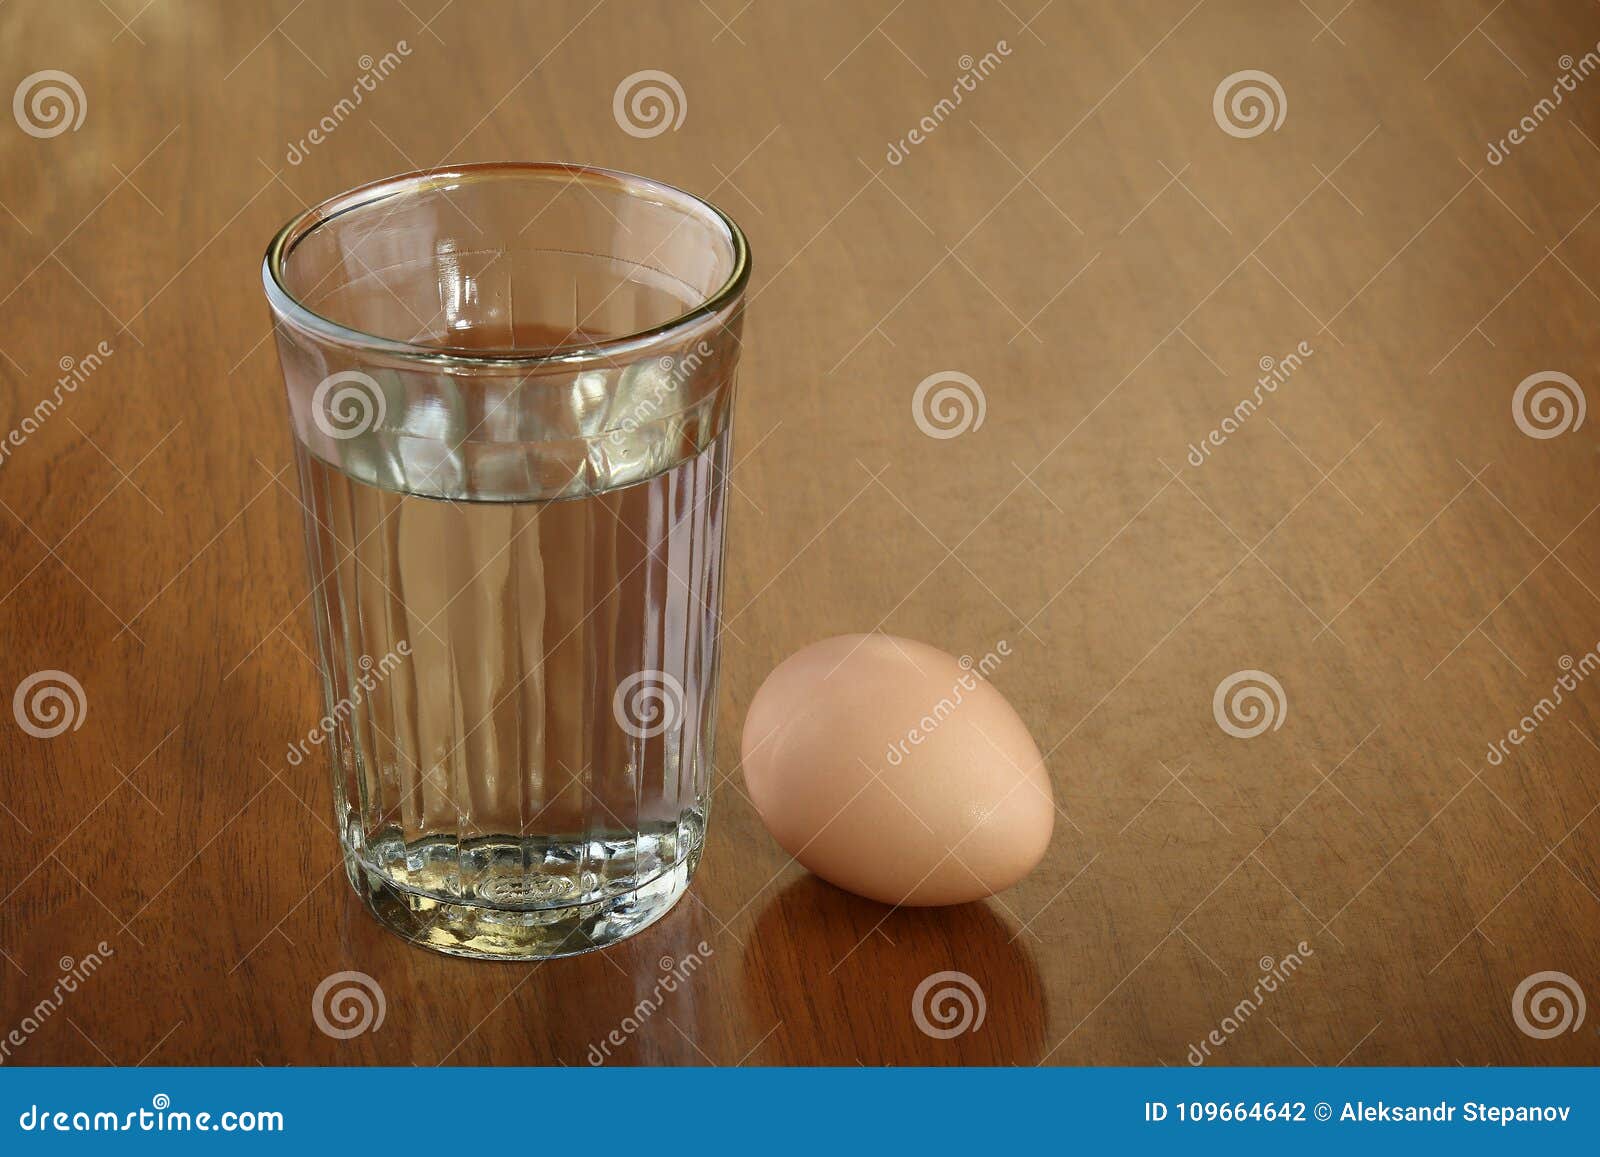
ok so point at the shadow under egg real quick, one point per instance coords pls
(853, 981)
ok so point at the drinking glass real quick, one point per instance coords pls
(511, 389)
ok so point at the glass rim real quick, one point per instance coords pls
(624, 347)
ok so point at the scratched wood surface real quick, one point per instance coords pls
(1085, 238)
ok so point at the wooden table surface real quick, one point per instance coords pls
(1114, 269)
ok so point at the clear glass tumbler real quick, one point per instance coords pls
(511, 388)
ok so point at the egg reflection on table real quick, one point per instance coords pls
(896, 771)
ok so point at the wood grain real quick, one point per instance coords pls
(1080, 236)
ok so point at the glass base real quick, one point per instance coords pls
(482, 933)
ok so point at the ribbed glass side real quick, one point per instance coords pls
(521, 692)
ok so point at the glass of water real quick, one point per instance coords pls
(511, 389)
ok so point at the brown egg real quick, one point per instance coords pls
(897, 772)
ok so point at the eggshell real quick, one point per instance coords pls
(897, 772)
